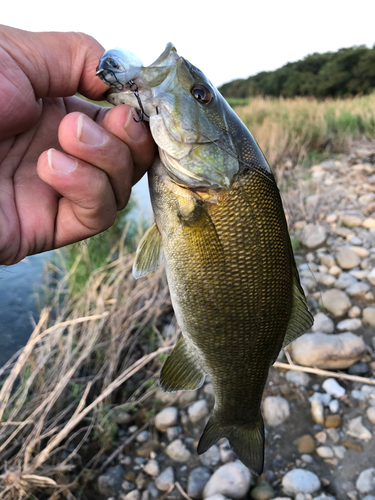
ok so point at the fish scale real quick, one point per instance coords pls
(221, 231)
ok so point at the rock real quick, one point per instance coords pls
(366, 481)
(173, 432)
(198, 478)
(133, 495)
(177, 451)
(323, 323)
(331, 386)
(323, 397)
(349, 325)
(369, 315)
(334, 406)
(122, 418)
(275, 410)
(185, 398)
(360, 251)
(336, 302)
(165, 480)
(226, 452)
(371, 276)
(334, 421)
(369, 223)
(308, 459)
(327, 260)
(321, 437)
(298, 378)
(360, 368)
(218, 496)
(345, 280)
(354, 312)
(346, 258)
(232, 480)
(300, 481)
(352, 444)
(317, 411)
(366, 199)
(263, 491)
(325, 452)
(146, 448)
(109, 483)
(328, 351)
(339, 452)
(333, 435)
(166, 418)
(370, 414)
(152, 468)
(335, 270)
(143, 437)
(358, 430)
(211, 457)
(351, 220)
(313, 235)
(198, 411)
(306, 444)
(358, 290)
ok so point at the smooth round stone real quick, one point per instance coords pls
(354, 312)
(360, 251)
(177, 451)
(165, 480)
(358, 290)
(300, 481)
(369, 315)
(370, 414)
(298, 378)
(211, 457)
(275, 410)
(317, 411)
(349, 325)
(152, 468)
(306, 444)
(166, 418)
(358, 430)
(262, 492)
(325, 452)
(232, 480)
(369, 223)
(366, 481)
(313, 235)
(198, 478)
(371, 276)
(332, 387)
(198, 411)
(336, 302)
(339, 452)
(351, 220)
(346, 258)
(345, 280)
(323, 323)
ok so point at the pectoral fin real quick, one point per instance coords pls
(300, 319)
(181, 372)
(149, 253)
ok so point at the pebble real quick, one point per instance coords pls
(198, 411)
(369, 223)
(339, 452)
(346, 258)
(133, 495)
(300, 481)
(333, 435)
(173, 432)
(218, 496)
(321, 437)
(369, 315)
(360, 368)
(331, 351)
(358, 430)
(110, 482)
(345, 280)
(308, 459)
(165, 480)
(351, 220)
(262, 491)
(211, 457)
(275, 410)
(336, 302)
(226, 452)
(366, 481)
(325, 452)
(313, 236)
(166, 418)
(349, 324)
(198, 478)
(333, 421)
(354, 312)
(371, 277)
(370, 414)
(322, 323)
(152, 468)
(332, 387)
(177, 451)
(327, 260)
(358, 290)
(306, 444)
(122, 418)
(232, 480)
(335, 270)
(317, 411)
(334, 406)
(298, 378)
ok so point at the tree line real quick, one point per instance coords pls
(349, 71)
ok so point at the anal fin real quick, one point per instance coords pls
(149, 253)
(181, 372)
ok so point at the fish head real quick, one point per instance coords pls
(117, 67)
(188, 120)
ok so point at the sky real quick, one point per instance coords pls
(225, 39)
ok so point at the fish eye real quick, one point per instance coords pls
(201, 94)
(112, 63)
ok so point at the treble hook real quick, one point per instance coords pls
(134, 90)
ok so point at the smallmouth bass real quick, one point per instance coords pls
(221, 231)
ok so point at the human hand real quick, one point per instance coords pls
(49, 199)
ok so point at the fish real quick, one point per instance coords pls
(220, 229)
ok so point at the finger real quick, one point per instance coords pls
(81, 137)
(87, 205)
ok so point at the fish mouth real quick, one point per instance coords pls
(109, 77)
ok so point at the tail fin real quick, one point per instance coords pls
(246, 441)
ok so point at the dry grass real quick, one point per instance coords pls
(65, 386)
(297, 128)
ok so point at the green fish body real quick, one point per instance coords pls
(221, 231)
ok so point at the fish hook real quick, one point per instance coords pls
(134, 90)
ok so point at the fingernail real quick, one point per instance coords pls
(136, 131)
(89, 132)
(60, 162)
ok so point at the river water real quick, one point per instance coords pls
(19, 286)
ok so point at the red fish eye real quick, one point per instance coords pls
(201, 94)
